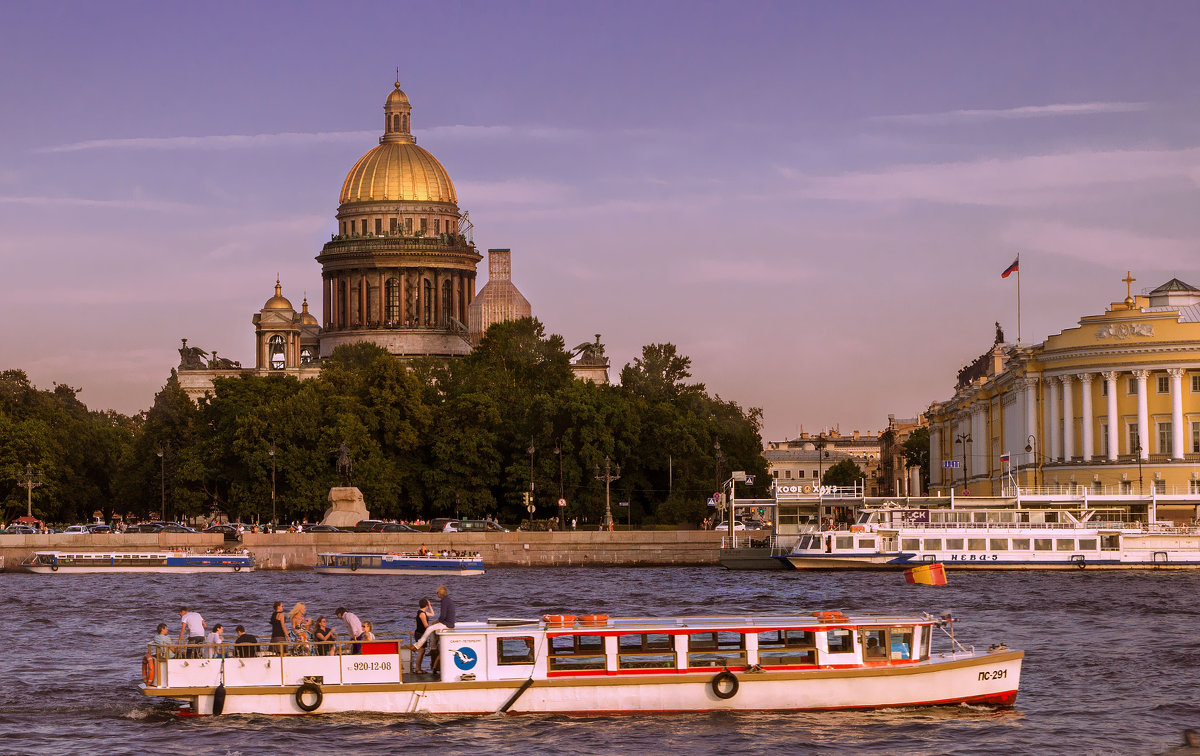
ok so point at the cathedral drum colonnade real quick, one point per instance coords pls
(1111, 406)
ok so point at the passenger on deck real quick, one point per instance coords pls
(245, 645)
(444, 621)
(278, 629)
(213, 640)
(424, 615)
(323, 635)
(162, 642)
(353, 625)
(192, 628)
(367, 635)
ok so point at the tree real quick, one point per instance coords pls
(843, 473)
(916, 453)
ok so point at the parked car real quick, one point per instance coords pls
(229, 531)
(365, 526)
(318, 528)
(160, 527)
(737, 525)
(98, 528)
(473, 526)
(20, 530)
(395, 527)
(82, 529)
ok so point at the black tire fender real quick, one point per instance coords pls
(309, 687)
(54, 567)
(721, 679)
(219, 700)
(237, 568)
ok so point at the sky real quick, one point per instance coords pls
(813, 201)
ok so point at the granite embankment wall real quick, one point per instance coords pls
(637, 548)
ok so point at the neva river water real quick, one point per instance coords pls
(1111, 667)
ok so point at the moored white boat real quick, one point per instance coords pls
(181, 560)
(398, 564)
(594, 665)
(968, 537)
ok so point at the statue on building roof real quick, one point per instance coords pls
(999, 333)
(223, 363)
(192, 358)
(590, 353)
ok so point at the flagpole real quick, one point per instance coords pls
(1018, 298)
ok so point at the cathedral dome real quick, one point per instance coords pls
(398, 170)
(306, 317)
(278, 302)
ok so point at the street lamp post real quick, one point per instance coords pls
(162, 481)
(608, 476)
(1137, 450)
(1031, 445)
(964, 439)
(30, 480)
(272, 453)
(562, 509)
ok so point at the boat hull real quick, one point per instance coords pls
(415, 570)
(990, 679)
(849, 562)
(187, 569)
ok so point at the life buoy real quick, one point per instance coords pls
(1081, 564)
(148, 669)
(219, 700)
(558, 620)
(722, 678)
(237, 568)
(594, 620)
(354, 566)
(309, 687)
(54, 566)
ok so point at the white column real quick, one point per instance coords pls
(1085, 414)
(1030, 386)
(1143, 417)
(1176, 412)
(1068, 410)
(1044, 447)
(935, 455)
(1114, 432)
(1055, 452)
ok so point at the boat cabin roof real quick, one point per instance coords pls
(618, 625)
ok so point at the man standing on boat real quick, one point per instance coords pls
(192, 628)
(444, 621)
(353, 625)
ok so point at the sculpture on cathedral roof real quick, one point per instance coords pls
(192, 358)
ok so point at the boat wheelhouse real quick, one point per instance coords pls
(595, 664)
(983, 537)
(399, 564)
(184, 561)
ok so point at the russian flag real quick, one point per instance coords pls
(1004, 457)
(1012, 268)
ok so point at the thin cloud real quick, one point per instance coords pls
(216, 142)
(1004, 114)
(117, 204)
(461, 132)
(1107, 247)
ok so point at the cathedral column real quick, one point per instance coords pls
(1030, 398)
(325, 300)
(380, 297)
(1114, 431)
(1068, 410)
(437, 298)
(420, 319)
(1143, 417)
(1055, 427)
(1176, 412)
(1085, 412)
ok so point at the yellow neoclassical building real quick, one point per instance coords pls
(1111, 407)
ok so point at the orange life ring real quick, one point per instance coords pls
(148, 669)
(830, 616)
(594, 620)
(559, 620)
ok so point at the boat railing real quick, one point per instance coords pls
(1090, 525)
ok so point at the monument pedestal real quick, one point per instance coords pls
(346, 507)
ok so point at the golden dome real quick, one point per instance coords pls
(398, 172)
(306, 317)
(278, 302)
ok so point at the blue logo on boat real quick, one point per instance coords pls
(465, 658)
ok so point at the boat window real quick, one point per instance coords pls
(999, 544)
(874, 645)
(926, 633)
(573, 653)
(1110, 543)
(980, 516)
(910, 544)
(1042, 544)
(805, 542)
(866, 543)
(1020, 544)
(900, 641)
(975, 544)
(839, 641)
(1064, 544)
(514, 649)
(933, 544)
(954, 544)
(864, 518)
(645, 651)
(782, 647)
(721, 648)
(844, 542)
(1087, 544)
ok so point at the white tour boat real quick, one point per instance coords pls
(595, 664)
(399, 564)
(181, 560)
(998, 538)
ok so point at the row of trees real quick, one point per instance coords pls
(467, 437)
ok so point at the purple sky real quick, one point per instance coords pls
(812, 200)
